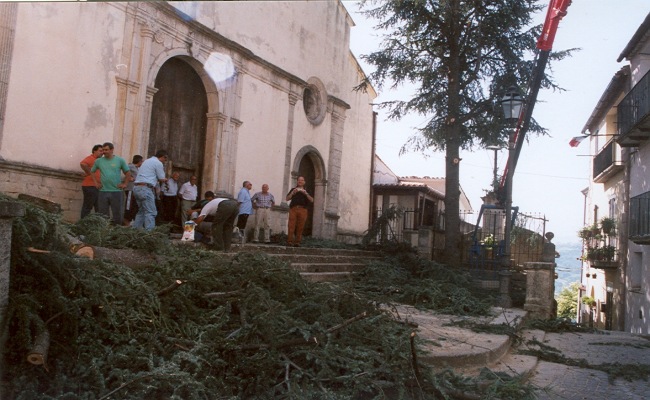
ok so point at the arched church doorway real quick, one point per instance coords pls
(308, 171)
(179, 118)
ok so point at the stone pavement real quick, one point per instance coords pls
(559, 381)
(448, 345)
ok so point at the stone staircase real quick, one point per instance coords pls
(316, 264)
(449, 345)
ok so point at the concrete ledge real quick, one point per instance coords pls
(11, 209)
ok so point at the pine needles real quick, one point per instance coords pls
(195, 324)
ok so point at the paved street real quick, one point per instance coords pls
(558, 381)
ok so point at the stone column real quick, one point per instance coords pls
(8, 211)
(8, 15)
(286, 182)
(505, 300)
(425, 243)
(540, 284)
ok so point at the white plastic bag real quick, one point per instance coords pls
(188, 231)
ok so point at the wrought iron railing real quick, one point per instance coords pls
(640, 218)
(606, 158)
(634, 106)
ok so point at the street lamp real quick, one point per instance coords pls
(512, 103)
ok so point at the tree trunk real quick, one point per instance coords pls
(452, 146)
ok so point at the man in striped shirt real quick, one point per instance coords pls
(262, 203)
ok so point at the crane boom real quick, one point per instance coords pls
(556, 11)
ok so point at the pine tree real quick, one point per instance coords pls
(461, 55)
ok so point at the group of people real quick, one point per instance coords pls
(108, 177)
(112, 187)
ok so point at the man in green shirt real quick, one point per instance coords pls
(111, 185)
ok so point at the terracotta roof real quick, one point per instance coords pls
(411, 185)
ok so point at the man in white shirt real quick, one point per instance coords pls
(169, 198)
(224, 208)
(188, 195)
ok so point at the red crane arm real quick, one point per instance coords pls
(556, 10)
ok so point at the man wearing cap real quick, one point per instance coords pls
(150, 173)
(224, 209)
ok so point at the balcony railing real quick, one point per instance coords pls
(632, 113)
(640, 218)
(607, 162)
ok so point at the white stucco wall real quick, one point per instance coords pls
(62, 90)
(638, 276)
(64, 96)
(299, 35)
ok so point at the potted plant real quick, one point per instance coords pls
(589, 301)
(607, 253)
(607, 224)
(584, 233)
(595, 229)
(592, 253)
(489, 242)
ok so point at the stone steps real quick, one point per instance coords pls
(448, 345)
(316, 264)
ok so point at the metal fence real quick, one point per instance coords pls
(483, 248)
(483, 236)
(392, 229)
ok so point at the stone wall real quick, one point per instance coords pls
(57, 186)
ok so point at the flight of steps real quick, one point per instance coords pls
(316, 264)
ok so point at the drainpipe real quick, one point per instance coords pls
(623, 234)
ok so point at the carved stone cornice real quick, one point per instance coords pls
(127, 83)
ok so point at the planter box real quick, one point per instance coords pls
(604, 264)
(645, 239)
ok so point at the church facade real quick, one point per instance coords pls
(234, 91)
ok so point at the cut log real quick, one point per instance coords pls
(38, 353)
(79, 248)
(85, 251)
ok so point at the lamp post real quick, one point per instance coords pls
(512, 103)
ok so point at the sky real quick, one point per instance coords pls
(550, 174)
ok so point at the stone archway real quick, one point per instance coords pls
(309, 164)
(179, 117)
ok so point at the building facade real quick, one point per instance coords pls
(230, 93)
(618, 288)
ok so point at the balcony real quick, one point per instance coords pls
(607, 162)
(634, 115)
(640, 218)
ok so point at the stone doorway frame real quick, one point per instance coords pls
(320, 185)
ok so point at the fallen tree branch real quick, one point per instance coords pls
(301, 341)
(414, 359)
(125, 384)
(222, 294)
(175, 285)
